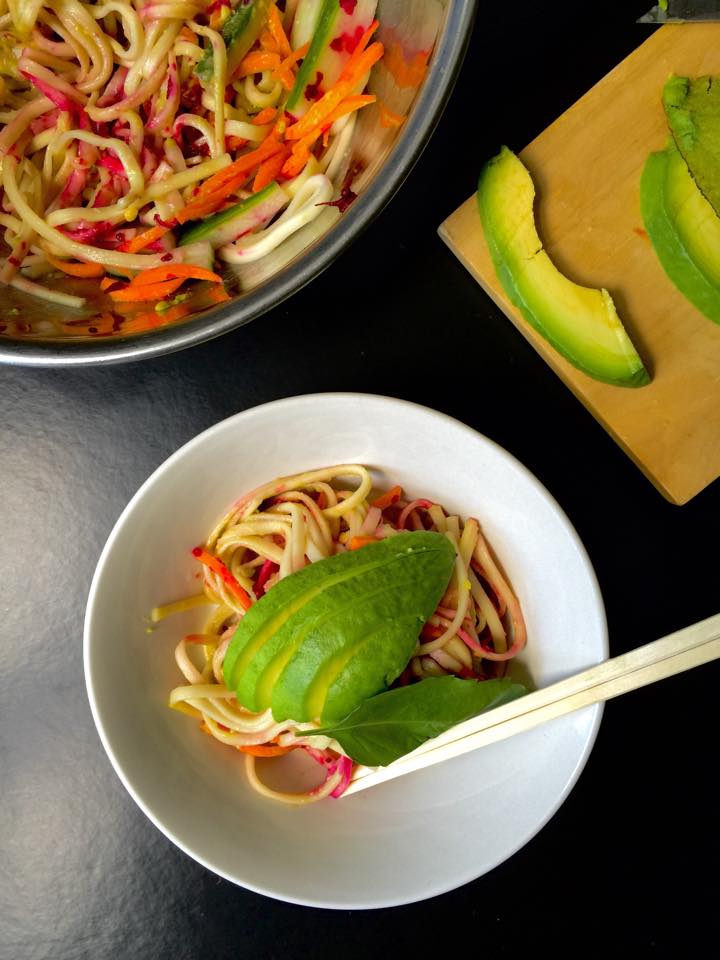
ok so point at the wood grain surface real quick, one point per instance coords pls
(587, 167)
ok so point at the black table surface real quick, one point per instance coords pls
(630, 859)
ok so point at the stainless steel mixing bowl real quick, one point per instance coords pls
(384, 154)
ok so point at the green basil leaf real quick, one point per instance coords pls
(388, 726)
(338, 631)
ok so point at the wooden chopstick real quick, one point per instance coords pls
(679, 651)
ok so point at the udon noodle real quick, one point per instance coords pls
(121, 121)
(279, 528)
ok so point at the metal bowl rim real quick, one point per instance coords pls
(424, 116)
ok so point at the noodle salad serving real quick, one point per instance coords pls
(348, 624)
(141, 142)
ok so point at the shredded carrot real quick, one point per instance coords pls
(358, 542)
(387, 499)
(268, 42)
(174, 271)
(348, 105)
(277, 31)
(218, 294)
(265, 116)
(218, 567)
(139, 322)
(233, 144)
(263, 750)
(256, 62)
(76, 269)
(269, 170)
(147, 291)
(293, 58)
(143, 239)
(107, 282)
(300, 155)
(389, 118)
(406, 73)
(218, 184)
(284, 72)
(361, 45)
(349, 78)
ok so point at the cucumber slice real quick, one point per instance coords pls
(338, 27)
(242, 218)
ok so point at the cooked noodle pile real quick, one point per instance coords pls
(279, 528)
(123, 120)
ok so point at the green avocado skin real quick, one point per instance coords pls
(340, 630)
(667, 240)
(544, 301)
(692, 108)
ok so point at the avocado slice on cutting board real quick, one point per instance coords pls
(683, 229)
(581, 323)
(337, 25)
(692, 108)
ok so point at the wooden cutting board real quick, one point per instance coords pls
(587, 167)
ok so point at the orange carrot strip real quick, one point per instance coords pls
(200, 207)
(256, 62)
(284, 72)
(143, 239)
(149, 291)
(286, 78)
(387, 499)
(406, 73)
(348, 105)
(217, 183)
(323, 107)
(300, 155)
(358, 542)
(172, 272)
(265, 116)
(268, 42)
(233, 144)
(277, 30)
(389, 118)
(296, 55)
(147, 321)
(218, 567)
(218, 294)
(364, 41)
(262, 750)
(76, 269)
(269, 170)
(108, 282)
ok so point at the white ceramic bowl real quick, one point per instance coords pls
(403, 841)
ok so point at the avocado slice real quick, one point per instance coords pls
(240, 31)
(580, 322)
(356, 615)
(242, 218)
(338, 25)
(692, 108)
(683, 228)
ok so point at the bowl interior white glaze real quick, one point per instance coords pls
(406, 840)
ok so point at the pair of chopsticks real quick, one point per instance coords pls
(680, 651)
